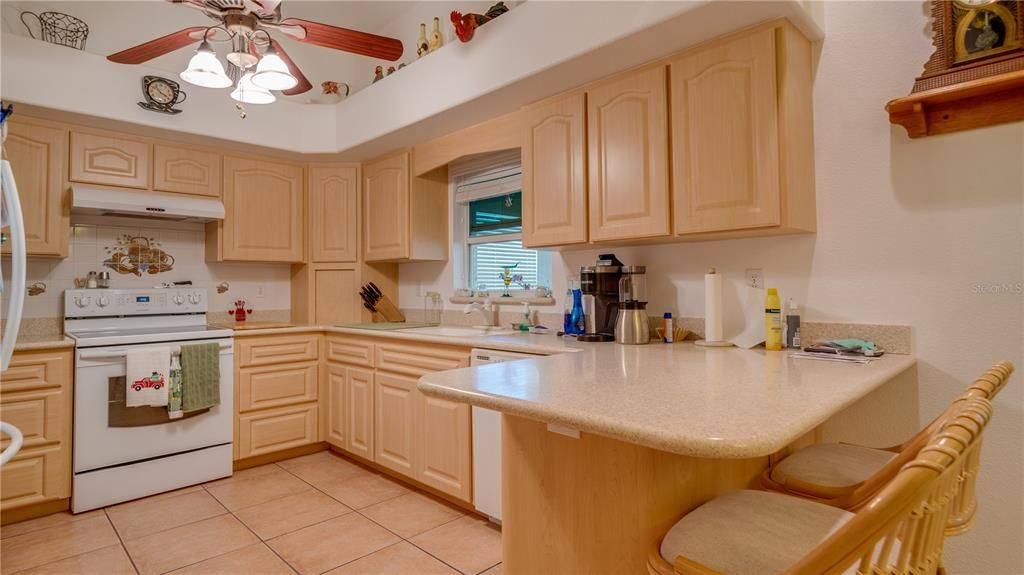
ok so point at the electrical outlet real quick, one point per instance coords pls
(755, 278)
(419, 288)
(260, 290)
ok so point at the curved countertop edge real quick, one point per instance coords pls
(655, 437)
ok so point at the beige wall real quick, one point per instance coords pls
(922, 232)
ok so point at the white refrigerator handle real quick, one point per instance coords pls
(16, 297)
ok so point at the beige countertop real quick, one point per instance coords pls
(716, 403)
(36, 341)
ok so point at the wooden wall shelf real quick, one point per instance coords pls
(973, 104)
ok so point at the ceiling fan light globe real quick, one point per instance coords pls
(249, 93)
(243, 60)
(272, 73)
(204, 69)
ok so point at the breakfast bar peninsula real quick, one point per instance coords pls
(604, 448)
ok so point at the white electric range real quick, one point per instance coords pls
(123, 453)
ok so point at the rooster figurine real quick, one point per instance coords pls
(466, 24)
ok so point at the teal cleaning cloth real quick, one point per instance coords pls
(200, 376)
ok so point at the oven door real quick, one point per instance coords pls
(108, 434)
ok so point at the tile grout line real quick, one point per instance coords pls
(371, 520)
(264, 543)
(120, 541)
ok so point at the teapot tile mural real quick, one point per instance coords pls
(137, 255)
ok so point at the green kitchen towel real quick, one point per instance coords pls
(200, 376)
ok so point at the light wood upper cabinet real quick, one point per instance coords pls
(394, 409)
(725, 161)
(405, 218)
(627, 136)
(334, 213)
(36, 397)
(742, 136)
(554, 172)
(263, 205)
(110, 159)
(386, 209)
(38, 154)
(186, 171)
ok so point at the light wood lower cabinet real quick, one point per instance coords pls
(359, 401)
(269, 430)
(444, 445)
(375, 411)
(36, 396)
(349, 408)
(394, 422)
(277, 393)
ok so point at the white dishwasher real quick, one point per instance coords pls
(487, 442)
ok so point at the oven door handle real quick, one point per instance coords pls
(100, 355)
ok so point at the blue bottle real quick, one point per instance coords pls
(576, 317)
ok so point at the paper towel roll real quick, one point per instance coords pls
(712, 306)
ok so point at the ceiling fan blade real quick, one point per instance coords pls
(303, 86)
(344, 39)
(159, 47)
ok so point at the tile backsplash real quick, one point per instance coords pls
(175, 251)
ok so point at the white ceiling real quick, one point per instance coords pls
(117, 25)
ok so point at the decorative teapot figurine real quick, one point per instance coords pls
(240, 311)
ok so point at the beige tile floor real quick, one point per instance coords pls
(315, 514)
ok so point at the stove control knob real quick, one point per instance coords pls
(178, 299)
(83, 301)
(104, 301)
(195, 298)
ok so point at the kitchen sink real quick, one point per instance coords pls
(459, 331)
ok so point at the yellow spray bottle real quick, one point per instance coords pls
(772, 321)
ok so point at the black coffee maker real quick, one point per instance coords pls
(600, 286)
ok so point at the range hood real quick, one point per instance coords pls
(88, 200)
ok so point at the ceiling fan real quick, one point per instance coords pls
(246, 24)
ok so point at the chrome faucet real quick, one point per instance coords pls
(486, 308)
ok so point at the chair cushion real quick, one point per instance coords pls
(752, 532)
(832, 464)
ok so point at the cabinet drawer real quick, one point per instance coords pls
(349, 350)
(39, 414)
(277, 349)
(419, 360)
(275, 386)
(276, 429)
(35, 476)
(111, 160)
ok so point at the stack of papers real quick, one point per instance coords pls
(832, 357)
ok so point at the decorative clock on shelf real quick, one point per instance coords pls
(161, 95)
(975, 77)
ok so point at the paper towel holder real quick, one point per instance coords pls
(704, 342)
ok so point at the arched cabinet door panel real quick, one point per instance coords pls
(263, 211)
(627, 151)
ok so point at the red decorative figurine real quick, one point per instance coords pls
(466, 24)
(240, 311)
